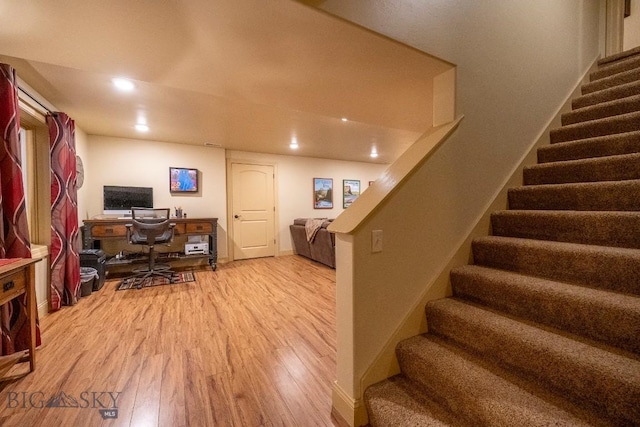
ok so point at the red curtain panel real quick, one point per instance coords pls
(14, 232)
(65, 260)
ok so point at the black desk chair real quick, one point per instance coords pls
(150, 227)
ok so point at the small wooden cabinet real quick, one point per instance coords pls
(17, 277)
(96, 230)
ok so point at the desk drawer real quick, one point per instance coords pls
(179, 228)
(109, 231)
(12, 285)
(199, 228)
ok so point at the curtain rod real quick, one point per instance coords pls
(35, 100)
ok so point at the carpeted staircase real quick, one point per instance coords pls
(544, 328)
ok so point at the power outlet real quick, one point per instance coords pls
(376, 241)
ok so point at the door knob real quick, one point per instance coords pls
(236, 216)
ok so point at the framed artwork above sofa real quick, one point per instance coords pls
(350, 191)
(322, 193)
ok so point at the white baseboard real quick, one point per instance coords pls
(43, 309)
(352, 411)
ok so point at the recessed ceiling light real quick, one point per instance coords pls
(294, 143)
(374, 153)
(344, 119)
(124, 85)
(142, 127)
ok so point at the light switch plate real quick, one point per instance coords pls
(376, 241)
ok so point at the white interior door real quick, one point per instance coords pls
(253, 210)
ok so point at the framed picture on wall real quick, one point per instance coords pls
(183, 180)
(350, 191)
(322, 193)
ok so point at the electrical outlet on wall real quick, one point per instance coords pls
(376, 241)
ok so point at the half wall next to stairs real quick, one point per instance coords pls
(544, 327)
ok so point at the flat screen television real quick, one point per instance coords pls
(118, 200)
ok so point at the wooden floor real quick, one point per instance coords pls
(252, 344)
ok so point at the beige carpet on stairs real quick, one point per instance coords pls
(544, 328)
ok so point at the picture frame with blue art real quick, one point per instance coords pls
(183, 180)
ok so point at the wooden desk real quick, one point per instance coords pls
(18, 278)
(96, 230)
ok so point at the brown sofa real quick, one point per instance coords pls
(321, 249)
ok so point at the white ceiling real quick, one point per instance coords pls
(243, 74)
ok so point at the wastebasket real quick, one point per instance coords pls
(87, 277)
(95, 258)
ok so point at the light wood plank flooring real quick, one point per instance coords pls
(252, 344)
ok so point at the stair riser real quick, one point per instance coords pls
(590, 148)
(609, 126)
(627, 105)
(604, 229)
(616, 68)
(602, 169)
(606, 95)
(621, 196)
(554, 304)
(586, 266)
(541, 358)
(612, 81)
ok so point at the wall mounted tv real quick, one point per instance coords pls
(119, 200)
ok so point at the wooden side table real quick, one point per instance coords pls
(17, 277)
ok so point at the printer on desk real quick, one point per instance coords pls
(195, 246)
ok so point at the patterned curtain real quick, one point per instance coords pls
(65, 260)
(14, 233)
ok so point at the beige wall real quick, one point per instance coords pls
(295, 186)
(516, 62)
(84, 192)
(134, 162)
(118, 161)
(632, 27)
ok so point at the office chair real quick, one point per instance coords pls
(150, 226)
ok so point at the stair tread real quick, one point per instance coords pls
(600, 146)
(611, 81)
(564, 214)
(623, 183)
(619, 56)
(398, 402)
(579, 196)
(607, 94)
(607, 168)
(564, 246)
(595, 122)
(478, 393)
(629, 122)
(553, 303)
(542, 356)
(605, 228)
(620, 117)
(623, 105)
(612, 68)
(602, 267)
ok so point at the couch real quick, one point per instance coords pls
(322, 248)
